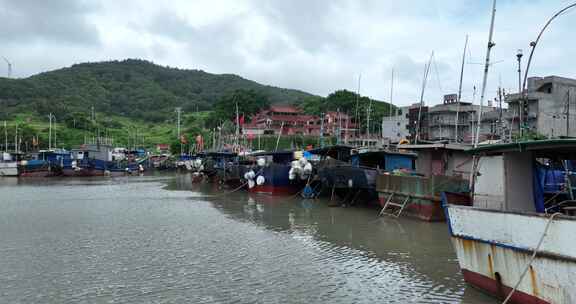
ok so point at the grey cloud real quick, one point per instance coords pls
(211, 45)
(61, 21)
(306, 22)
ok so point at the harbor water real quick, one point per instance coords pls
(162, 239)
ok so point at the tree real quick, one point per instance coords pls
(249, 102)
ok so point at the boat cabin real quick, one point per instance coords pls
(337, 153)
(441, 159)
(276, 157)
(530, 176)
(382, 159)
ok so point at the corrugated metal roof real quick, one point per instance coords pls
(558, 145)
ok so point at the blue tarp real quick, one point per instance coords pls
(538, 180)
(395, 161)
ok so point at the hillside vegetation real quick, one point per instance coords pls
(131, 88)
(134, 102)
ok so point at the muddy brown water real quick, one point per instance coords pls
(162, 239)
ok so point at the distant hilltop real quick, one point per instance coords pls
(132, 88)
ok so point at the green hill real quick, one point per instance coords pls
(134, 103)
(131, 88)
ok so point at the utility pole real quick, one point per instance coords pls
(5, 137)
(16, 140)
(179, 111)
(50, 132)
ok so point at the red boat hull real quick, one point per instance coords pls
(274, 190)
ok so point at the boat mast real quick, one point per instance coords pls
(392, 94)
(368, 118)
(356, 116)
(5, 137)
(426, 72)
(16, 140)
(50, 132)
(460, 90)
(485, 79)
(237, 126)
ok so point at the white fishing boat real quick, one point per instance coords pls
(518, 239)
(8, 165)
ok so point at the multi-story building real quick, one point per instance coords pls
(438, 122)
(395, 128)
(293, 121)
(442, 124)
(549, 109)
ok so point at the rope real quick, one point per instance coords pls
(236, 189)
(229, 192)
(531, 258)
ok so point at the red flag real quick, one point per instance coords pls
(199, 143)
(241, 120)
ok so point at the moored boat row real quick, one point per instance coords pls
(509, 207)
(88, 160)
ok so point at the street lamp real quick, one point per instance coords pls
(533, 45)
(519, 58)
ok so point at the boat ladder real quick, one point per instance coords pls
(394, 209)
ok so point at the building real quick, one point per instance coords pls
(442, 124)
(293, 121)
(335, 122)
(288, 119)
(395, 128)
(438, 122)
(549, 110)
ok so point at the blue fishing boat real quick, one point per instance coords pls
(44, 163)
(97, 160)
(271, 174)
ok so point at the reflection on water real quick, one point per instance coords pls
(136, 240)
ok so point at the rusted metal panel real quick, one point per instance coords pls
(515, 230)
(498, 246)
(420, 186)
(551, 280)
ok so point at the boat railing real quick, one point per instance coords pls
(422, 187)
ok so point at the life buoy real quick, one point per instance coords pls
(260, 180)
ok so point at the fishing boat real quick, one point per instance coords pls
(97, 160)
(216, 164)
(44, 163)
(8, 165)
(439, 168)
(517, 240)
(357, 177)
(271, 174)
(325, 158)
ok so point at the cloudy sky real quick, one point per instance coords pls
(314, 45)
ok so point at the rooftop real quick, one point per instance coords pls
(544, 148)
(284, 109)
